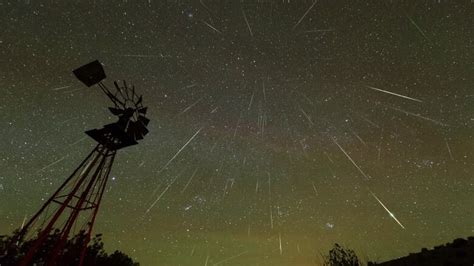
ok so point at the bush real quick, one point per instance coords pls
(339, 256)
(12, 253)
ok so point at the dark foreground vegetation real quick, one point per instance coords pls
(95, 255)
(458, 253)
(340, 256)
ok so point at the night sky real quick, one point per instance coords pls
(277, 127)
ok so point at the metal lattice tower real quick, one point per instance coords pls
(76, 202)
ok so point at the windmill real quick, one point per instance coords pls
(76, 202)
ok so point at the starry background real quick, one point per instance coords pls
(275, 98)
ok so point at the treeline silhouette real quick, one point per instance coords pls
(458, 253)
(11, 253)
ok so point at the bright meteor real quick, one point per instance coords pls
(386, 209)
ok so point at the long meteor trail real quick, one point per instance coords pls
(191, 106)
(419, 116)
(247, 22)
(307, 117)
(142, 55)
(350, 159)
(180, 150)
(419, 29)
(230, 258)
(320, 30)
(212, 27)
(387, 210)
(161, 195)
(61, 88)
(395, 94)
(279, 240)
(51, 164)
(189, 181)
(304, 15)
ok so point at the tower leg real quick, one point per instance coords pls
(80, 193)
(96, 209)
(33, 219)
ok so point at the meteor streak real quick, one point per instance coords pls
(369, 121)
(61, 88)
(264, 94)
(395, 94)
(307, 117)
(143, 55)
(251, 101)
(419, 116)
(320, 30)
(350, 159)
(271, 217)
(304, 15)
(191, 106)
(358, 137)
(230, 258)
(51, 164)
(387, 210)
(279, 239)
(180, 150)
(419, 29)
(247, 22)
(212, 27)
(75, 142)
(23, 222)
(189, 181)
(314, 188)
(189, 86)
(449, 149)
(161, 195)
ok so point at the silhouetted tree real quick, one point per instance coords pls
(339, 256)
(11, 253)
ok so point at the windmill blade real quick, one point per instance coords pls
(143, 110)
(116, 111)
(133, 131)
(145, 130)
(115, 100)
(139, 126)
(143, 120)
(128, 112)
(142, 128)
(137, 130)
(133, 92)
(126, 89)
(119, 90)
(112, 97)
(140, 99)
(137, 135)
